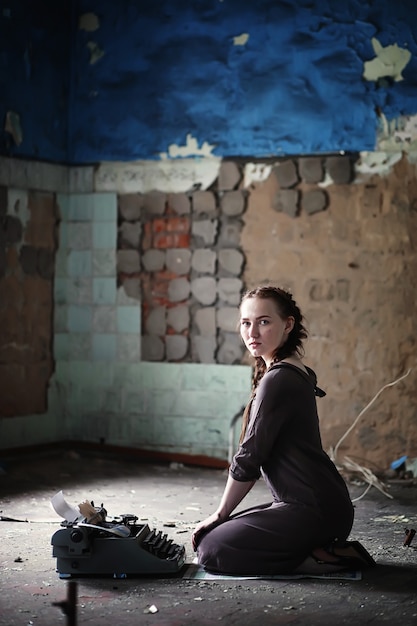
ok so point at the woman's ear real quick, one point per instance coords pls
(289, 324)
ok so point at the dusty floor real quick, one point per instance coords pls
(180, 496)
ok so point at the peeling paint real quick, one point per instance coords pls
(190, 149)
(255, 173)
(389, 62)
(241, 40)
(408, 132)
(88, 22)
(376, 162)
(327, 181)
(12, 126)
(95, 52)
(398, 134)
(168, 176)
(17, 205)
(412, 157)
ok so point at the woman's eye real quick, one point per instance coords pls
(264, 322)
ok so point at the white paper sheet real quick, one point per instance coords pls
(65, 510)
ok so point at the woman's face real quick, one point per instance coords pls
(262, 328)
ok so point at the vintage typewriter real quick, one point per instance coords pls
(118, 547)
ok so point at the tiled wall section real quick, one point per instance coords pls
(163, 407)
(94, 321)
(179, 409)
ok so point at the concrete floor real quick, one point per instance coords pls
(180, 496)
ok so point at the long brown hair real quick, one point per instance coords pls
(286, 307)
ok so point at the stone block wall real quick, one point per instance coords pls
(182, 253)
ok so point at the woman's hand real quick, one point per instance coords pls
(233, 494)
(210, 522)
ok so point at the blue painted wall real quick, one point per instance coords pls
(35, 55)
(171, 68)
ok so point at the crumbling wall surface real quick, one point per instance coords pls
(339, 231)
(27, 258)
(352, 267)
(182, 253)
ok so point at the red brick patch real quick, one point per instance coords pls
(164, 241)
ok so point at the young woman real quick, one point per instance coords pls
(304, 529)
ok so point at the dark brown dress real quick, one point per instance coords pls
(311, 504)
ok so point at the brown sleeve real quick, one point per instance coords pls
(271, 409)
